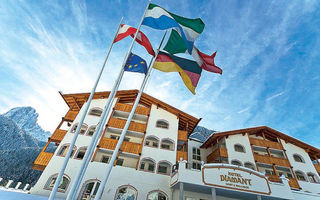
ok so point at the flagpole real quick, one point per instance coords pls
(125, 129)
(111, 96)
(58, 180)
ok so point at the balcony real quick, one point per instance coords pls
(182, 135)
(42, 161)
(183, 155)
(293, 183)
(134, 126)
(58, 135)
(271, 160)
(71, 115)
(219, 152)
(265, 143)
(274, 178)
(127, 108)
(317, 167)
(128, 147)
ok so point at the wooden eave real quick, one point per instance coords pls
(76, 101)
(267, 130)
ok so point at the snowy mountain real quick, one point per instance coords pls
(201, 133)
(26, 119)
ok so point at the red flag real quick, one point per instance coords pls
(208, 62)
(142, 39)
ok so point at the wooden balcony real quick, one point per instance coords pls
(183, 155)
(127, 108)
(265, 143)
(42, 161)
(71, 115)
(134, 126)
(317, 167)
(58, 135)
(219, 152)
(182, 135)
(271, 160)
(294, 183)
(128, 147)
(274, 178)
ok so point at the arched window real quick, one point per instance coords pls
(300, 176)
(147, 164)
(91, 130)
(236, 162)
(164, 167)
(62, 186)
(95, 112)
(81, 152)
(312, 177)
(162, 124)
(64, 149)
(167, 144)
(152, 141)
(126, 192)
(239, 148)
(157, 195)
(82, 130)
(89, 189)
(298, 158)
(249, 165)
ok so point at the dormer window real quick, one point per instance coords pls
(95, 112)
(162, 124)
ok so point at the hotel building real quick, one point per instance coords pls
(158, 159)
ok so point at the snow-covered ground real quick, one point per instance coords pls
(12, 194)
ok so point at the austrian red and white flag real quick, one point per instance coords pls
(205, 61)
(126, 30)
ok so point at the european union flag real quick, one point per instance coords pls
(136, 64)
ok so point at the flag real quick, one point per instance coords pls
(126, 30)
(136, 64)
(176, 44)
(189, 70)
(158, 18)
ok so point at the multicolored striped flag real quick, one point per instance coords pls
(189, 70)
(176, 44)
(158, 18)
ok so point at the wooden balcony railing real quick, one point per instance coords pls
(58, 135)
(271, 160)
(274, 178)
(71, 115)
(127, 108)
(265, 143)
(134, 126)
(317, 167)
(183, 155)
(219, 152)
(129, 147)
(42, 161)
(182, 135)
(293, 183)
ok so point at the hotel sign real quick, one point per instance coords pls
(235, 178)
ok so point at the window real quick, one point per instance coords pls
(196, 165)
(236, 162)
(62, 186)
(64, 149)
(167, 144)
(95, 112)
(239, 148)
(105, 159)
(116, 137)
(157, 195)
(91, 130)
(81, 153)
(162, 124)
(89, 189)
(82, 130)
(284, 171)
(249, 165)
(298, 158)
(164, 167)
(152, 141)
(300, 176)
(119, 162)
(312, 177)
(126, 192)
(196, 154)
(147, 165)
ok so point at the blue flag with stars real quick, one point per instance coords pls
(136, 64)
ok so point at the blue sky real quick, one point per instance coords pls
(268, 50)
